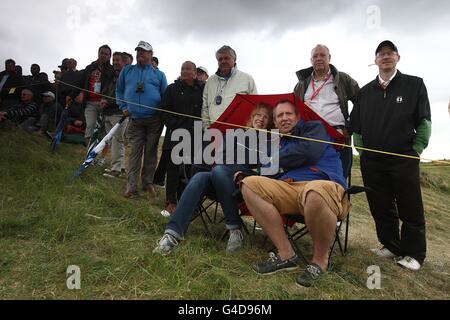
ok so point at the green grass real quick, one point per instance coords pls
(48, 223)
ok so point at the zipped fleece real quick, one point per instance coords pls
(239, 82)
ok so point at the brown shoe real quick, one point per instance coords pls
(170, 208)
(130, 194)
(151, 192)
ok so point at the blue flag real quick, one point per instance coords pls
(56, 139)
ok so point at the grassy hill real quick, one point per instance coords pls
(48, 223)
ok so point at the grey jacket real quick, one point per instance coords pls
(345, 86)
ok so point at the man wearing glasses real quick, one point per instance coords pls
(392, 114)
(327, 91)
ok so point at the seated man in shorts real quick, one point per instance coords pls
(310, 183)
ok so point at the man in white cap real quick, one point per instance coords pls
(202, 74)
(138, 92)
(49, 111)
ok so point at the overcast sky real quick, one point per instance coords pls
(273, 39)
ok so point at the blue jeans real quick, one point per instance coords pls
(220, 180)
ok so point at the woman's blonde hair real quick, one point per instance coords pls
(259, 107)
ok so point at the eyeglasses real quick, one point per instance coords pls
(386, 53)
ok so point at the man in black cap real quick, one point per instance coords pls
(392, 114)
(63, 68)
(64, 64)
(155, 62)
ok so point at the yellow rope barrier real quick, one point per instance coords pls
(263, 130)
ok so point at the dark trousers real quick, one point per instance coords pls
(173, 179)
(161, 170)
(396, 196)
(143, 136)
(346, 156)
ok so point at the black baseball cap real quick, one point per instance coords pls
(386, 43)
(64, 63)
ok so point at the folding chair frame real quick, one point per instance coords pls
(293, 237)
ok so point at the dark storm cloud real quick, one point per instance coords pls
(216, 17)
(414, 16)
(213, 18)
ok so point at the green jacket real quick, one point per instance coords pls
(345, 86)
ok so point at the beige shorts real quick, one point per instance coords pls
(290, 197)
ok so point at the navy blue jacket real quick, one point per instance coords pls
(304, 160)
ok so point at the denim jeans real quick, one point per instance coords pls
(220, 180)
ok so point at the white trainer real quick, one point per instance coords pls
(235, 240)
(166, 244)
(165, 213)
(409, 263)
(383, 252)
(168, 210)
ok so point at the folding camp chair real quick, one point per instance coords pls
(293, 236)
(243, 211)
(208, 201)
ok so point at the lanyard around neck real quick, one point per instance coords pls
(316, 92)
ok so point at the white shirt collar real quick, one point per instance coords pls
(327, 75)
(381, 81)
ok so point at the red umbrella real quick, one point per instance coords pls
(238, 112)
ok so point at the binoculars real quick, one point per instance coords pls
(140, 87)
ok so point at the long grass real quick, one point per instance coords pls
(48, 223)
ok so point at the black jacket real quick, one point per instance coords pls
(13, 81)
(181, 98)
(106, 78)
(71, 77)
(387, 118)
(110, 91)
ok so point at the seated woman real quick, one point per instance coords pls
(220, 178)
